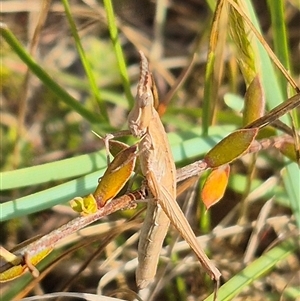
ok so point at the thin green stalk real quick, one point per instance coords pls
(210, 90)
(85, 62)
(113, 30)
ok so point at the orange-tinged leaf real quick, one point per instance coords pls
(215, 186)
(254, 101)
(116, 175)
(230, 148)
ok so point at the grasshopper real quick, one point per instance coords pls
(158, 167)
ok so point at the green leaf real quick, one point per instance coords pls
(254, 101)
(230, 148)
(54, 171)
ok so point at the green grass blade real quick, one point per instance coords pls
(84, 61)
(50, 197)
(54, 171)
(208, 94)
(210, 78)
(45, 77)
(113, 30)
(280, 39)
(291, 180)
